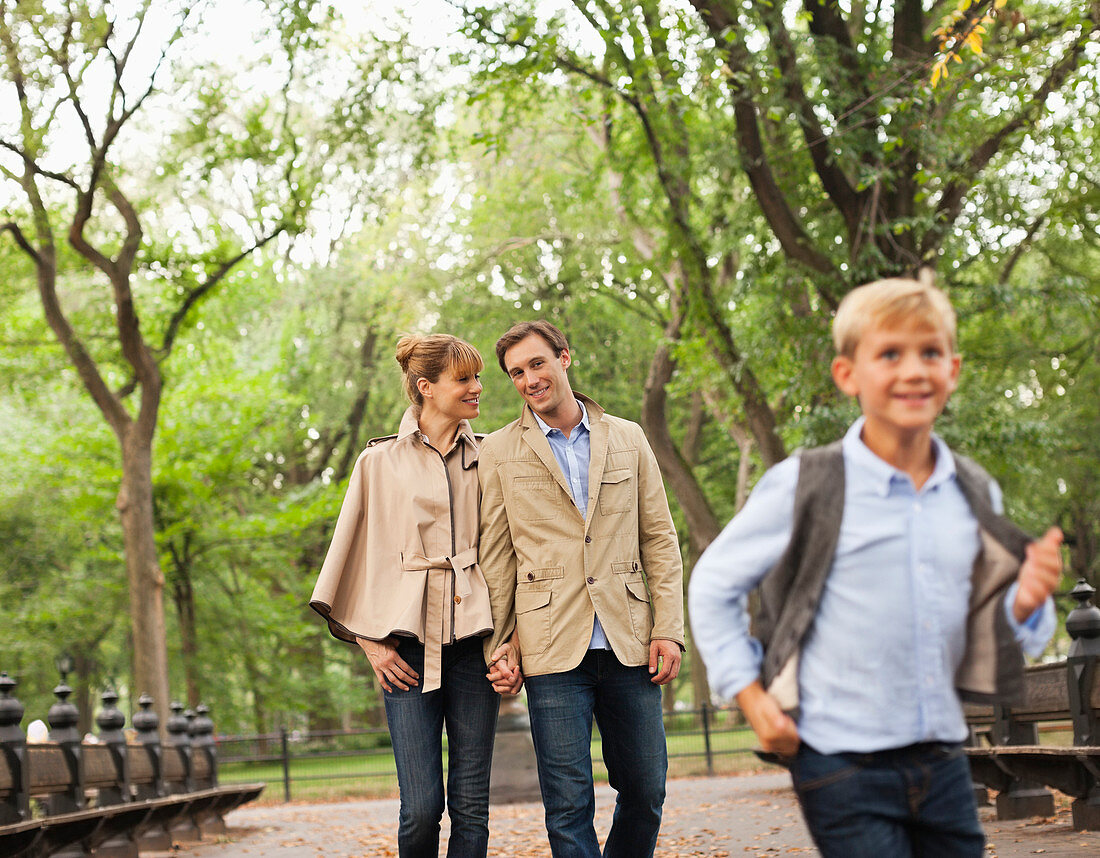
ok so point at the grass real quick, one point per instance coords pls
(371, 773)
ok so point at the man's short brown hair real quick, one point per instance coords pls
(521, 330)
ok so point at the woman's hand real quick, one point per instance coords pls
(388, 666)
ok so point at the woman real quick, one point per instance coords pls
(401, 580)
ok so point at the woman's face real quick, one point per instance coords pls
(454, 396)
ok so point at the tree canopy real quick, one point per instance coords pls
(207, 262)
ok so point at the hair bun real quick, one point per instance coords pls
(406, 346)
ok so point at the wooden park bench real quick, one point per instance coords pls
(1066, 695)
(116, 797)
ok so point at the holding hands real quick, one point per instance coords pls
(504, 670)
(1039, 574)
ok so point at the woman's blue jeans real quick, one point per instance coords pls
(627, 709)
(466, 705)
(913, 802)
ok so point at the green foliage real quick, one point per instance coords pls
(581, 166)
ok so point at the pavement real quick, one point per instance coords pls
(739, 815)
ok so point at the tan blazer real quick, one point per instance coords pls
(549, 569)
(403, 557)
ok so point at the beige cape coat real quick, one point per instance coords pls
(403, 557)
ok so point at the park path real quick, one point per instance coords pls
(748, 816)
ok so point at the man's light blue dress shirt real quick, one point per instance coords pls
(877, 667)
(574, 454)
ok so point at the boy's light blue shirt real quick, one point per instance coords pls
(877, 667)
(574, 455)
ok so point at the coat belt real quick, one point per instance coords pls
(435, 621)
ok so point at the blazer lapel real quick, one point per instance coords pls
(598, 440)
(533, 438)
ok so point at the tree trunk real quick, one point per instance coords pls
(702, 524)
(135, 507)
(183, 594)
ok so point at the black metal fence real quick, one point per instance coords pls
(330, 764)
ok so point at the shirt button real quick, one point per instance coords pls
(588, 539)
(458, 600)
(591, 580)
(530, 576)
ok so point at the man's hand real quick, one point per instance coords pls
(504, 670)
(390, 668)
(774, 728)
(664, 661)
(1039, 574)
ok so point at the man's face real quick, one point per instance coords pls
(539, 376)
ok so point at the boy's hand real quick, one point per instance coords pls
(504, 671)
(1039, 574)
(774, 728)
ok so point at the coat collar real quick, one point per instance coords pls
(409, 428)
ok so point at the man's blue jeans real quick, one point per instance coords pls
(914, 802)
(467, 705)
(627, 708)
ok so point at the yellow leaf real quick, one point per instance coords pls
(999, 4)
(938, 71)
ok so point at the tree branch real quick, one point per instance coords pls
(722, 25)
(197, 294)
(21, 240)
(33, 166)
(1022, 247)
(951, 200)
(818, 143)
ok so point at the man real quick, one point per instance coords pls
(584, 573)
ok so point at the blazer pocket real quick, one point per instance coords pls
(630, 568)
(535, 498)
(533, 621)
(641, 613)
(533, 576)
(617, 493)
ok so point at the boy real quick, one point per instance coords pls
(890, 585)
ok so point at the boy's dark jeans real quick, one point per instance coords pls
(904, 803)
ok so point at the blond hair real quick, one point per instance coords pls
(888, 303)
(430, 356)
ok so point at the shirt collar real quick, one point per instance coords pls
(547, 429)
(879, 475)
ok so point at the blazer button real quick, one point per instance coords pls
(591, 580)
(458, 600)
(588, 539)
(530, 576)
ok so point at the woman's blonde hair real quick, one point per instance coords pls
(888, 303)
(430, 356)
